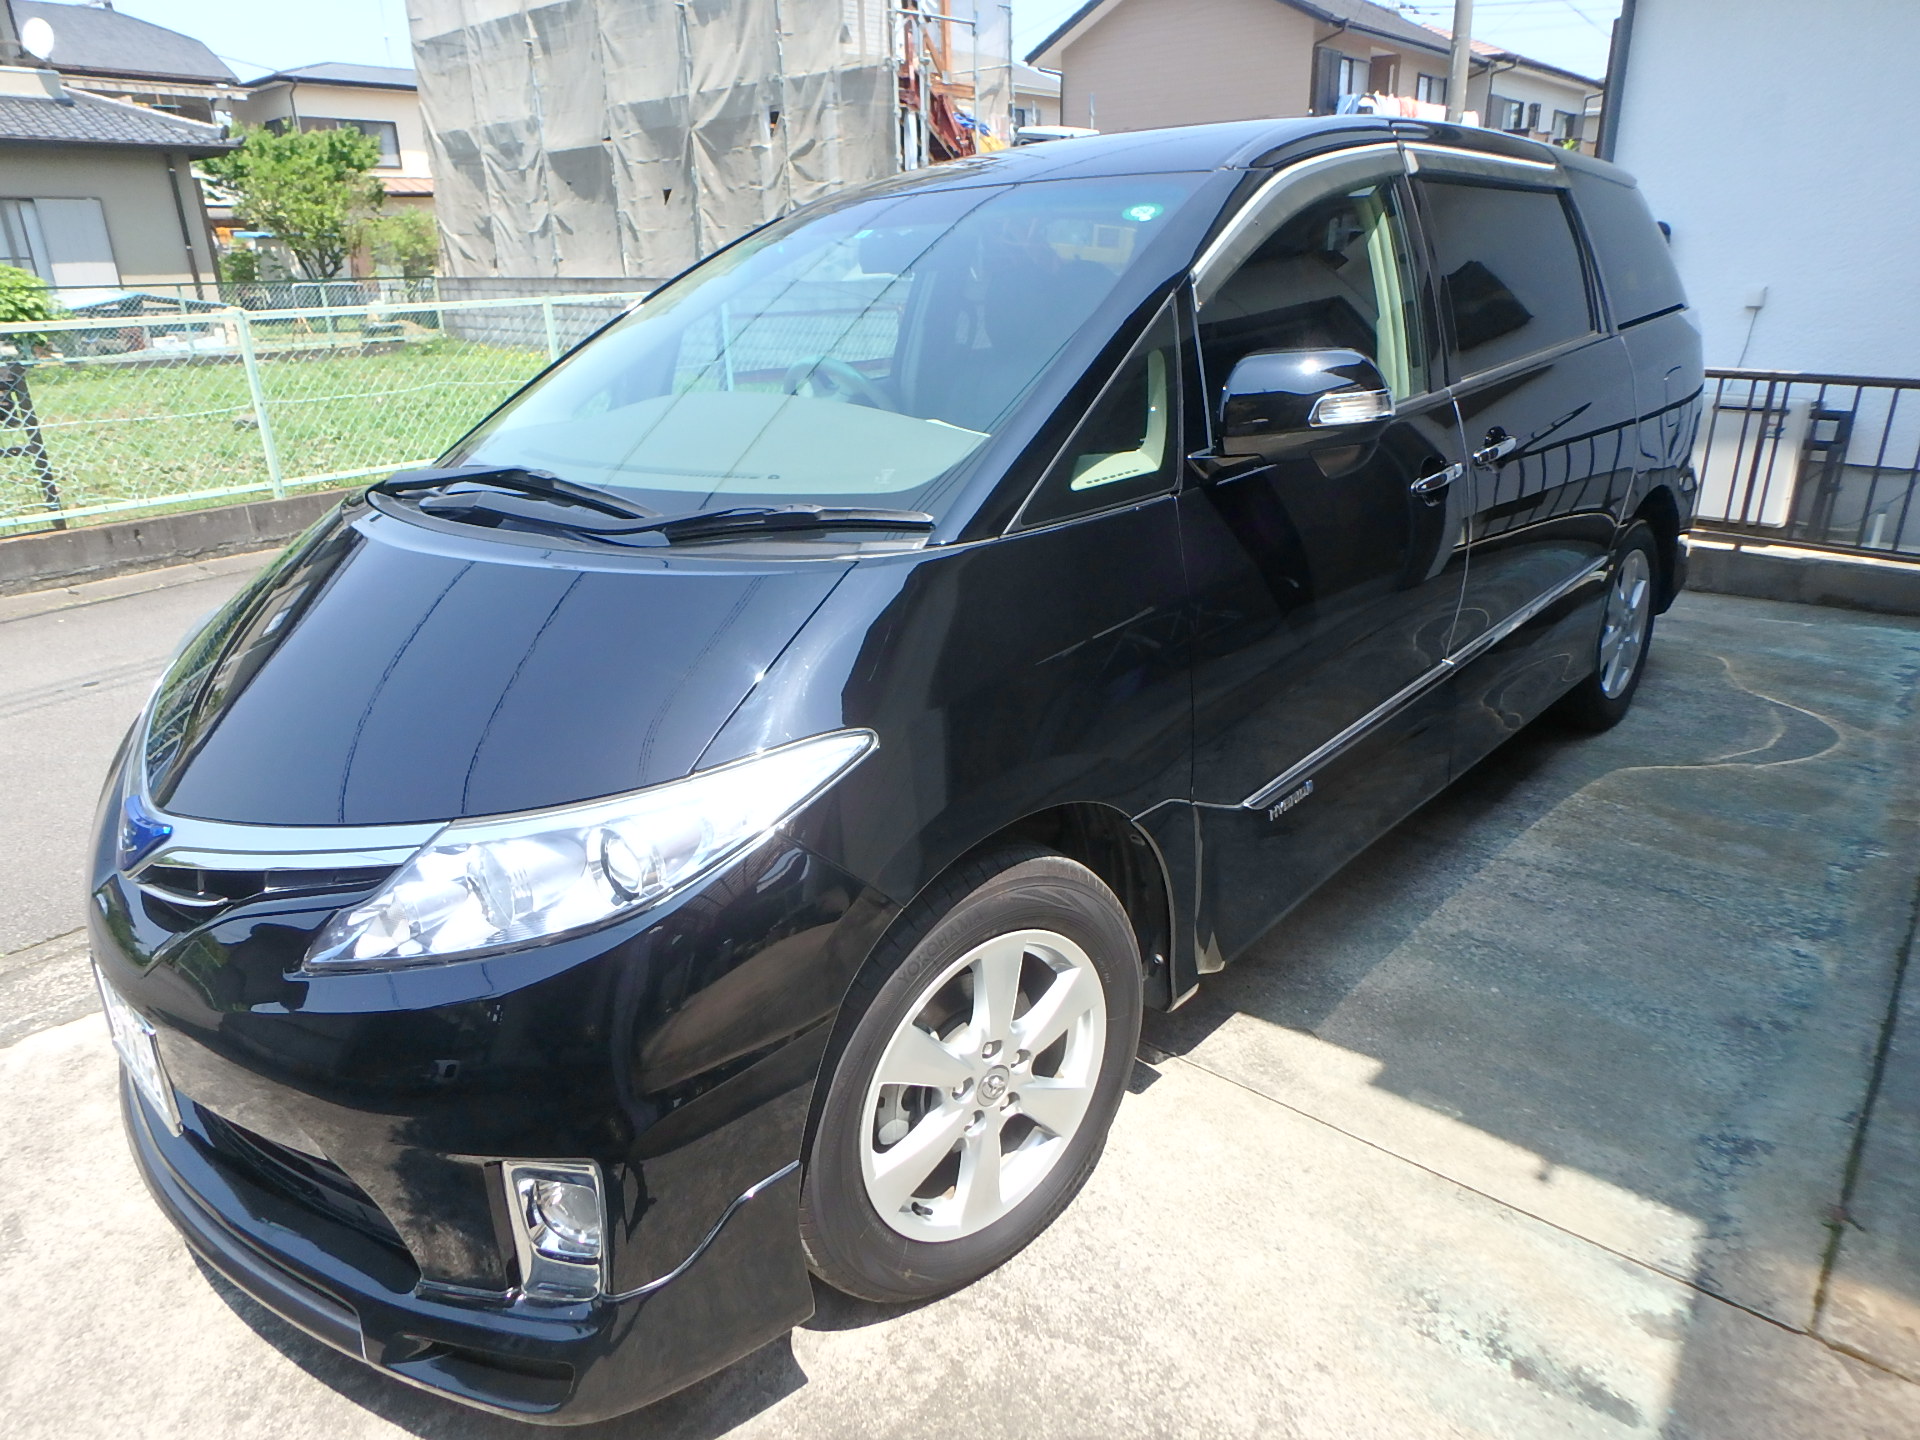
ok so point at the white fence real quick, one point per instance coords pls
(198, 403)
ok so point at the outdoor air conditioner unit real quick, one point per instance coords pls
(1750, 453)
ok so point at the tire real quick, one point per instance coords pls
(1022, 944)
(1600, 701)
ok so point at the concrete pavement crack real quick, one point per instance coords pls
(1856, 1151)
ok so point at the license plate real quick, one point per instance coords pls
(139, 1051)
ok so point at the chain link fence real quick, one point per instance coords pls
(113, 415)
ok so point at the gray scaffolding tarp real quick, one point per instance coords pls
(630, 137)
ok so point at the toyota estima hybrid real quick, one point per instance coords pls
(724, 822)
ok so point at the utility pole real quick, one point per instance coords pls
(1459, 59)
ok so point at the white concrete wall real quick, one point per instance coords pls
(1778, 167)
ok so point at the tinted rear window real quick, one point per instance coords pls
(1634, 261)
(1511, 275)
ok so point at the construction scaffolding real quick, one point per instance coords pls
(632, 137)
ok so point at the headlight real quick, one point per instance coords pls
(483, 885)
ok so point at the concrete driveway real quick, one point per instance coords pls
(1576, 1107)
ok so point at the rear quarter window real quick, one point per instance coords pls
(1511, 276)
(1635, 265)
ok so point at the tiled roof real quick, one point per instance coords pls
(83, 119)
(333, 72)
(101, 41)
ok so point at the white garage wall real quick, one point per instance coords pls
(1777, 139)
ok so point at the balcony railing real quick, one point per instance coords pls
(1831, 461)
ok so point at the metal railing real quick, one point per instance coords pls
(108, 416)
(1829, 461)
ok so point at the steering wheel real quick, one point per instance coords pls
(832, 379)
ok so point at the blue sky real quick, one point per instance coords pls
(256, 36)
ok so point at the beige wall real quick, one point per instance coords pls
(1549, 92)
(1046, 106)
(132, 186)
(345, 102)
(1147, 63)
(1187, 62)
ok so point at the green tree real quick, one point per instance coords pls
(238, 266)
(407, 241)
(23, 298)
(312, 189)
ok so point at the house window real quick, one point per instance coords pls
(20, 244)
(384, 131)
(1337, 75)
(1431, 88)
(62, 240)
(1505, 114)
(1566, 125)
(1025, 115)
(1533, 117)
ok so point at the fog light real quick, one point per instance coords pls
(559, 1223)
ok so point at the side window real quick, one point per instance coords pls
(1334, 275)
(1124, 450)
(1511, 277)
(1629, 248)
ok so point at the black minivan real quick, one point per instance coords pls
(723, 824)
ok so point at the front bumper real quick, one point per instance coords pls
(564, 1364)
(342, 1135)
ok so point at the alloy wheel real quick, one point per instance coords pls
(983, 1085)
(1624, 633)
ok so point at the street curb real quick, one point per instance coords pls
(54, 558)
(1804, 577)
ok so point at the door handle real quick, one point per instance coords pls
(1438, 481)
(1499, 445)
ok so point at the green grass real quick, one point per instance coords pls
(118, 431)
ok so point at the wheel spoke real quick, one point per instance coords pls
(899, 1172)
(1054, 1105)
(1072, 994)
(979, 1183)
(996, 988)
(916, 1058)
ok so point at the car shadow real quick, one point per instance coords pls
(1657, 959)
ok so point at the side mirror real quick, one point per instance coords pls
(1279, 403)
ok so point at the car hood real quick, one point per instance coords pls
(382, 673)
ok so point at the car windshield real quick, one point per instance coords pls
(852, 357)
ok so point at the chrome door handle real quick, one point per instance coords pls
(1439, 480)
(1495, 450)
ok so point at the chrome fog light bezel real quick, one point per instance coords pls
(554, 1266)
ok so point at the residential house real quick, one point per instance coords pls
(97, 195)
(100, 51)
(1139, 64)
(1792, 218)
(1036, 97)
(382, 101)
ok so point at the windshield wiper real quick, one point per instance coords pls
(750, 519)
(517, 478)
